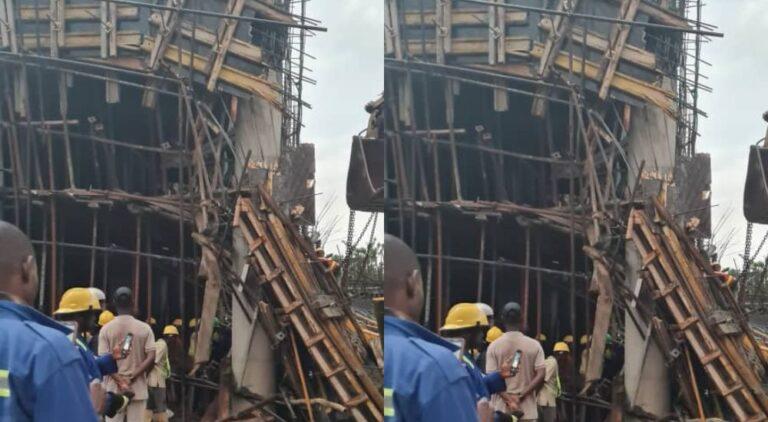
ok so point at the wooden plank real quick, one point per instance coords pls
(265, 10)
(315, 352)
(561, 26)
(5, 40)
(618, 41)
(103, 34)
(442, 28)
(492, 33)
(245, 81)
(11, 15)
(79, 40)
(464, 17)
(210, 305)
(728, 382)
(602, 321)
(518, 46)
(631, 54)
(219, 50)
(56, 23)
(663, 16)
(76, 12)
(645, 91)
(239, 48)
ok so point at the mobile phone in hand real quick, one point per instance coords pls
(126, 347)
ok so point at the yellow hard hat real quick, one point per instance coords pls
(464, 315)
(568, 339)
(541, 337)
(493, 334)
(177, 322)
(170, 330)
(105, 317)
(193, 323)
(584, 339)
(561, 346)
(77, 299)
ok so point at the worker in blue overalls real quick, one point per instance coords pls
(41, 374)
(423, 379)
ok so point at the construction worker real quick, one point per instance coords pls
(488, 311)
(100, 296)
(192, 324)
(157, 402)
(178, 322)
(531, 370)
(41, 374)
(133, 369)
(584, 342)
(546, 399)
(568, 339)
(93, 341)
(467, 322)
(78, 307)
(423, 379)
(542, 339)
(723, 276)
(493, 334)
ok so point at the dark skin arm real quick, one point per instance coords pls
(146, 365)
(536, 382)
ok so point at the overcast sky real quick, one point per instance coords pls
(350, 72)
(740, 82)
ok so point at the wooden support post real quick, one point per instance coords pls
(94, 238)
(392, 41)
(449, 117)
(561, 26)
(480, 269)
(137, 266)
(168, 25)
(526, 277)
(219, 50)
(619, 36)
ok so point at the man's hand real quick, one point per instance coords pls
(123, 384)
(506, 370)
(117, 353)
(484, 411)
(98, 397)
(513, 403)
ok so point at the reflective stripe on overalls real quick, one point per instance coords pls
(5, 387)
(389, 406)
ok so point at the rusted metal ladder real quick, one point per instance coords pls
(280, 273)
(660, 271)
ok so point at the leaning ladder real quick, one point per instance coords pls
(280, 275)
(670, 290)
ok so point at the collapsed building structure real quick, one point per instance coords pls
(136, 138)
(524, 141)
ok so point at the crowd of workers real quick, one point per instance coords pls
(87, 363)
(479, 368)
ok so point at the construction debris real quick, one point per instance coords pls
(130, 134)
(521, 137)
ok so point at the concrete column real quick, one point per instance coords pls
(651, 139)
(257, 129)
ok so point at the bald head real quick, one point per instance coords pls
(403, 292)
(18, 270)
